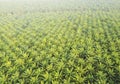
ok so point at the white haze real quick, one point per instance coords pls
(30, 5)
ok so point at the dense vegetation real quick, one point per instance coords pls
(74, 45)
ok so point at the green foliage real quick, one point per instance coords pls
(79, 46)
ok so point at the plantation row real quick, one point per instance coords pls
(65, 42)
(60, 48)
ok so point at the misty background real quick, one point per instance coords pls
(56, 5)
